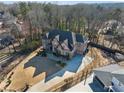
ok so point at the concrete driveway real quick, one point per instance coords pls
(72, 66)
(42, 64)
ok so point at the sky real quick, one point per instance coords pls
(66, 2)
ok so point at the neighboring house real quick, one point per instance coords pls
(107, 35)
(5, 41)
(64, 42)
(107, 27)
(110, 77)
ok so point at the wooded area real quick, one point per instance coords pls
(38, 18)
(23, 24)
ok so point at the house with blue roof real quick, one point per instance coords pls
(65, 43)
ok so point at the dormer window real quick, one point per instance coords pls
(57, 37)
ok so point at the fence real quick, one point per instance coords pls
(105, 48)
(75, 79)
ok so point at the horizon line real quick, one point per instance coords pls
(64, 2)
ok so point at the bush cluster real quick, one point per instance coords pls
(61, 63)
(30, 46)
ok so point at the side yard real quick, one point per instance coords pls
(19, 77)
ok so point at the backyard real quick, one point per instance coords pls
(31, 70)
(39, 66)
(43, 64)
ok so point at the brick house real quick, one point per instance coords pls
(64, 42)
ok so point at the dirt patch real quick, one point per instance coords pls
(23, 76)
(99, 58)
(9, 67)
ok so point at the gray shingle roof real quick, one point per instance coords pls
(106, 73)
(105, 77)
(79, 38)
(119, 77)
(6, 40)
(63, 35)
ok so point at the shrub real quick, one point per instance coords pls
(1, 90)
(42, 53)
(39, 53)
(57, 54)
(30, 46)
(61, 63)
(67, 57)
(54, 53)
(9, 81)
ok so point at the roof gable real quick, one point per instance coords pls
(105, 77)
(64, 35)
(106, 73)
